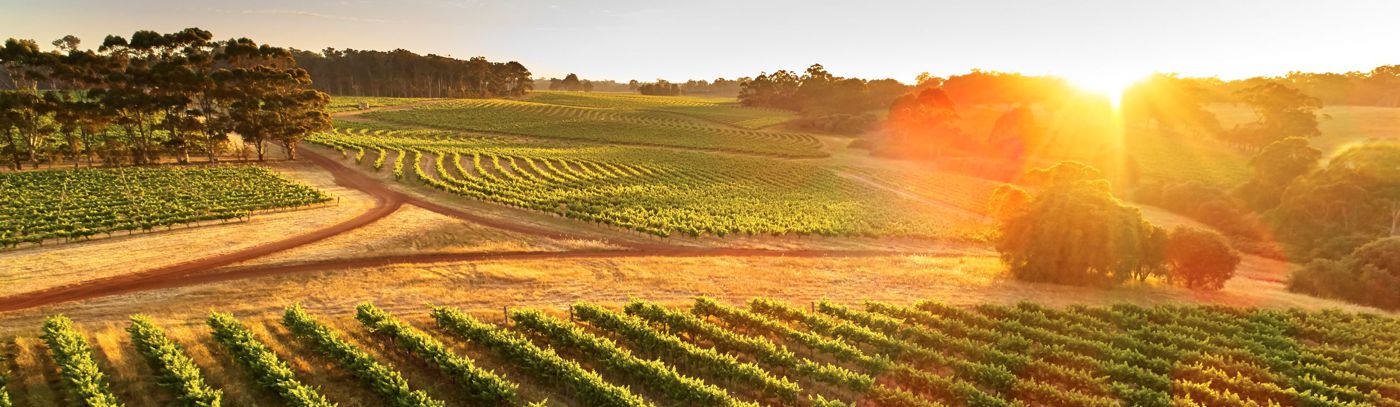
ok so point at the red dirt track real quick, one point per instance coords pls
(387, 202)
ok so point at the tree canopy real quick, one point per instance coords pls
(1369, 275)
(1281, 112)
(1353, 200)
(1199, 258)
(132, 100)
(1073, 231)
(402, 73)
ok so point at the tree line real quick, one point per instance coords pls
(825, 102)
(132, 100)
(402, 73)
(661, 87)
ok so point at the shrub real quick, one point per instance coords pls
(1199, 259)
(1370, 275)
(1075, 232)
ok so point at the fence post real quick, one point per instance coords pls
(505, 314)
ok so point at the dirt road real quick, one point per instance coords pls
(387, 201)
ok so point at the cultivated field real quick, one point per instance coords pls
(634, 125)
(77, 204)
(663, 193)
(714, 353)
(507, 243)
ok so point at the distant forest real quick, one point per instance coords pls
(402, 73)
(719, 87)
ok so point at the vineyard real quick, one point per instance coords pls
(709, 353)
(349, 103)
(706, 127)
(82, 203)
(657, 192)
(716, 109)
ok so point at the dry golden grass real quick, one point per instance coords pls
(413, 230)
(957, 276)
(37, 385)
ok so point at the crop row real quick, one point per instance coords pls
(81, 203)
(663, 194)
(773, 353)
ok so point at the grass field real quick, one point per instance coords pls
(608, 125)
(708, 352)
(349, 103)
(654, 191)
(717, 109)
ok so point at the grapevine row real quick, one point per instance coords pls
(382, 379)
(267, 369)
(176, 370)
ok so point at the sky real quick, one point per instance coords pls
(1092, 41)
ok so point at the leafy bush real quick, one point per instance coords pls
(1199, 259)
(1074, 231)
(1370, 275)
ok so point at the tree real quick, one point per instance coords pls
(1355, 199)
(1199, 259)
(1274, 167)
(401, 73)
(1006, 201)
(570, 83)
(1281, 112)
(1370, 275)
(924, 123)
(1013, 134)
(1073, 231)
(165, 94)
(271, 104)
(1170, 103)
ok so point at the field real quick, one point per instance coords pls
(506, 244)
(708, 352)
(716, 109)
(74, 204)
(352, 103)
(657, 192)
(617, 125)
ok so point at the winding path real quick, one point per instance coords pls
(388, 201)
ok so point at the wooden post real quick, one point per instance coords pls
(505, 314)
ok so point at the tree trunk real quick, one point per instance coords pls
(1395, 218)
(260, 148)
(183, 154)
(291, 147)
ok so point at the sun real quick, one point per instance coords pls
(1107, 84)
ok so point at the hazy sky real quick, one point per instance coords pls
(626, 39)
